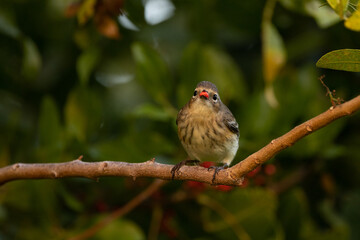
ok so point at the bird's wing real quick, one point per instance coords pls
(182, 113)
(178, 116)
(233, 126)
(230, 121)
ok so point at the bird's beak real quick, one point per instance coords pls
(204, 94)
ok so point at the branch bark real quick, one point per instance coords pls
(230, 176)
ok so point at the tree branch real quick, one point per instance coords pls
(230, 176)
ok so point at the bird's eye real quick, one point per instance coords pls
(195, 93)
(215, 97)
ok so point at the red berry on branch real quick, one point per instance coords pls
(260, 180)
(270, 169)
(195, 186)
(207, 164)
(224, 188)
(254, 172)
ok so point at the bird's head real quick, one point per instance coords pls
(206, 96)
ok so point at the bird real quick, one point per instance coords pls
(207, 129)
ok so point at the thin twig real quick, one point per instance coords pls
(289, 181)
(121, 211)
(155, 222)
(334, 101)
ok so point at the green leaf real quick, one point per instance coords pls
(343, 59)
(124, 229)
(340, 6)
(83, 114)
(152, 111)
(71, 201)
(353, 22)
(327, 209)
(75, 117)
(207, 63)
(86, 11)
(262, 117)
(31, 59)
(323, 14)
(8, 26)
(85, 64)
(274, 55)
(270, 97)
(49, 122)
(152, 72)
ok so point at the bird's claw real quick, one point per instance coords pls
(177, 167)
(217, 170)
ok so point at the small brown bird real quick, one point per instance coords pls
(207, 129)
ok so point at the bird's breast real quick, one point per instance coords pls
(206, 138)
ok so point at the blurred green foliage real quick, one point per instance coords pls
(67, 90)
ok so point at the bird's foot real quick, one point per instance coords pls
(217, 170)
(177, 167)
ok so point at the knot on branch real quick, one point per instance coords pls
(16, 166)
(54, 174)
(77, 161)
(309, 128)
(103, 166)
(150, 161)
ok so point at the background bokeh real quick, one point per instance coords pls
(105, 79)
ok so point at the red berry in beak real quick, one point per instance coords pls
(204, 94)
